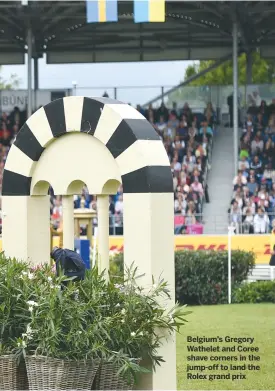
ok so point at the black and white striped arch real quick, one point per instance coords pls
(130, 138)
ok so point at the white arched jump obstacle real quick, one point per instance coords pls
(55, 147)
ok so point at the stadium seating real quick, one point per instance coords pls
(253, 201)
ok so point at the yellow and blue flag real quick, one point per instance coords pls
(101, 11)
(149, 11)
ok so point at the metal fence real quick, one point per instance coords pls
(197, 97)
(197, 224)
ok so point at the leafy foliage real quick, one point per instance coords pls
(121, 323)
(255, 292)
(201, 276)
(12, 83)
(263, 71)
(12, 304)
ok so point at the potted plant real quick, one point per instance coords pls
(134, 314)
(13, 374)
(60, 347)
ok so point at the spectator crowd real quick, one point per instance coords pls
(187, 138)
(253, 202)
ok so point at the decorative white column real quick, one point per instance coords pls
(149, 243)
(103, 233)
(68, 221)
(26, 228)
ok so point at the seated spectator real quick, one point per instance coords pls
(209, 114)
(180, 204)
(182, 130)
(260, 122)
(173, 123)
(261, 222)
(240, 179)
(150, 116)
(249, 204)
(248, 223)
(119, 205)
(193, 131)
(235, 217)
(252, 185)
(197, 187)
(257, 144)
(243, 163)
(206, 130)
(175, 165)
(187, 114)
(190, 218)
(256, 164)
(162, 111)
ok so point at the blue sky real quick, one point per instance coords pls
(91, 78)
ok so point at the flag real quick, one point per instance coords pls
(149, 11)
(101, 11)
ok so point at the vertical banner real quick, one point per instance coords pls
(101, 11)
(149, 11)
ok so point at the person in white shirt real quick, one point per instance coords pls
(261, 222)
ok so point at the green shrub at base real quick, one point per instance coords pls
(201, 277)
(255, 292)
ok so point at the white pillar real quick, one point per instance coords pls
(68, 221)
(103, 233)
(29, 43)
(235, 95)
(26, 228)
(149, 243)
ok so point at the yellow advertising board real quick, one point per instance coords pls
(260, 244)
(256, 243)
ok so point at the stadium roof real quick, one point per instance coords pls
(192, 31)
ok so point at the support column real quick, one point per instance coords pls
(68, 221)
(103, 233)
(235, 95)
(36, 81)
(26, 229)
(29, 43)
(149, 244)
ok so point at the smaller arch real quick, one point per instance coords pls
(75, 187)
(110, 187)
(41, 188)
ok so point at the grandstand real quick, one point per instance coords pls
(253, 200)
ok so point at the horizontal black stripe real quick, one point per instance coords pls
(28, 143)
(150, 179)
(15, 184)
(56, 117)
(129, 131)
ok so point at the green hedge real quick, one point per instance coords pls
(255, 292)
(201, 276)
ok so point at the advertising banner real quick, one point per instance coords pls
(259, 244)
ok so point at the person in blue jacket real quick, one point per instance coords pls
(69, 263)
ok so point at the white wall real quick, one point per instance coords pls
(76, 157)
